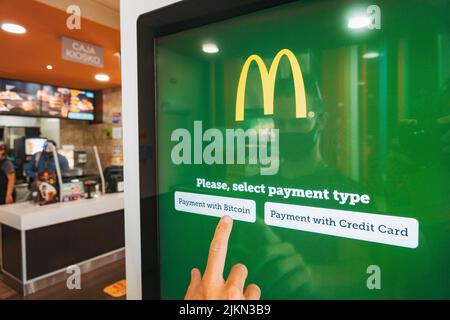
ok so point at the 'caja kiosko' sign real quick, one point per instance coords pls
(82, 52)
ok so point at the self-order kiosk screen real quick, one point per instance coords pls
(323, 130)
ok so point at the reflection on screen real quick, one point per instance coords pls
(325, 137)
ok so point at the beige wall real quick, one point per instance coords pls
(98, 11)
(84, 135)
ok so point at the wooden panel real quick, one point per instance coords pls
(11, 251)
(58, 246)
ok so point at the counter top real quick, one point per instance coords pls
(26, 216)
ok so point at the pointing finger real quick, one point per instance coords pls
(218, 250)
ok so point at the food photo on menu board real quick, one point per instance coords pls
(54, 101)
(19, 98)
(66, 103)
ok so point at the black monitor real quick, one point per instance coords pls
(114, 179)
(318, 126)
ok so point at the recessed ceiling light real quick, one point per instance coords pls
(13, 28)
(210, 48)
(371, 55)
(49, 67)
(102, 77)
(358, 21)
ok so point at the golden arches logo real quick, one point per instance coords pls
(268, 84)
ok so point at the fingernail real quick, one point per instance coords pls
(226, 219)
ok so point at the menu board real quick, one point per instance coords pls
(81, 105)
(66, 103)
(53, 102)
(19, 98)
(31, 99)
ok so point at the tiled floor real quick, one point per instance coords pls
(92, 285)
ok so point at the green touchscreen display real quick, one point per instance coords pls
(323, 129)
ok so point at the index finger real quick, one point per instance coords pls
(218, 250)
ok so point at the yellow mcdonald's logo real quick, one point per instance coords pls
(268, 84)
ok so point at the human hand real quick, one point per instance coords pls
(212, 285)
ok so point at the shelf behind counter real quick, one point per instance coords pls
(40, 242)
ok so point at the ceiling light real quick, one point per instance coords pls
(358, 21)
(49, 67)
(102, 77)
(371, 55)
(210, 48)
(13, 28)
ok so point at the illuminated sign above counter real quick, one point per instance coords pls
(32, 99)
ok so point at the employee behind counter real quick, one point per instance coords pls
(7, 177)
(43, 162)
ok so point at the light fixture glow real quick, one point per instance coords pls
(102, 77)
(358, 21)
(49, 67)
(210, 48)
(371, 55)
(13, 28)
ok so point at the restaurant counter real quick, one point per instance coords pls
(39, 243)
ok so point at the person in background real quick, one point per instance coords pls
(42, 162)
(7, 177)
